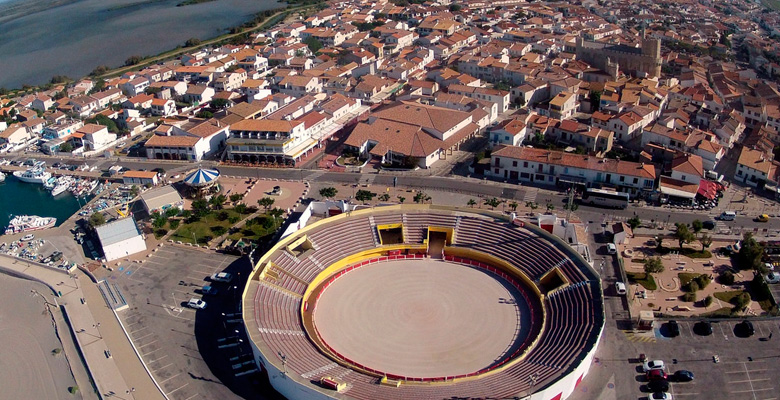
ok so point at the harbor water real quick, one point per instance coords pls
(19, 198)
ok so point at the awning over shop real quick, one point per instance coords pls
(673, 187)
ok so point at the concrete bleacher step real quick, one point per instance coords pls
(281, 289)
(112, 295)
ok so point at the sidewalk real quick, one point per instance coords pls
(97, 330)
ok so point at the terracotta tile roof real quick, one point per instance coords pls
(689, 164)
(755, 159)
(171, 141)
(91, 128)
(438, 118)
(577, 161)
(207, 128)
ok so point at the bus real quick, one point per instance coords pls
(605, 198)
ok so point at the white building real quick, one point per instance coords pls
(120, 238)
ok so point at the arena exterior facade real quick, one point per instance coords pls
(563, 293)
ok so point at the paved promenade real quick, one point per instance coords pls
(97, 330)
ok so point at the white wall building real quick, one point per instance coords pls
(120, 239)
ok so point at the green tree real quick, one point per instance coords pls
(172, 212)
(266, 202)
(513, 205)
(532, 205)
(703, 280)
(57, 79)
(205, 114)
(492, 202)
(634, 222)
(192, 42)
(726, 278)
(275, 213)
(218, 230)
(401, 199)
(97, 219)
(101, 119)
(471, 203)
(314, 44)
(455, 7)
(100, 70)
(133, 60)
(218, 201)
(364, 195)
(384, 197)
(174, 223)
(66, 147)
(328, 192)
(595, 99)
(159, 221)
(683, 234)
(697, 226)
(200, 207)
(550, 207)
(693, 286)
(219, 103)
(741, 301)
(654, 265)
(750, 253)
(706, 241)
(241, 208)
(708, 301)
(134, 191)
(236, 197)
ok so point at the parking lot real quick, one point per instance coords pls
(746, 367)
(191, 353)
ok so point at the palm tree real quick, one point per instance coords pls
(471, 203)
(513, 205)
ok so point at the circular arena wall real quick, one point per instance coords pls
(449, 303)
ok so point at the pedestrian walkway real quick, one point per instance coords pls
(98, 332)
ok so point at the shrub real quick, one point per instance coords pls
(174, 223)
(222, 216)
(654, 265)
(693, 287)
(218, 230)
(233, 219)
(708, 301)
(703, 280)
(726, 278)
(741, 301)
(689, 297)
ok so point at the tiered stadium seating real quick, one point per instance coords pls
(573, 313)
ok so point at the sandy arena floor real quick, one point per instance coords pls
(422, 318)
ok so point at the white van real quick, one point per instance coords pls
(620, 288)
(611, 248)
(728, 216)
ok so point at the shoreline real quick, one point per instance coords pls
(80, 67)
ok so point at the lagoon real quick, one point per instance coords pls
(73, 38)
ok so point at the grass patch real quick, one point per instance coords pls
(256, 231)
(202, 229)
(767, 305)
(728, 296)
(719, 313)
(646, 280)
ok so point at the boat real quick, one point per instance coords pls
(27, 238)
(60, 189)
(27, 223)
(2, 177)
(33, 175)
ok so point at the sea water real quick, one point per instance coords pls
(20, 198)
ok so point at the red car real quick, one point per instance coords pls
(656, 375)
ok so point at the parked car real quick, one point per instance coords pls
(708, 224)
(660, 396)
(762, 218)
(656, 375)
(226, 277)
(673, 328)
(611, 248)
(653, 364)
(196, 303)
(658, 386)
(620, 288)
(772, 277)
(683, 376)
(209, 290)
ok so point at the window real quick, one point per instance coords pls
(525, 164)
(514, 163)
(622, 178)
(496, 171)
(648, 183)
(636, 180)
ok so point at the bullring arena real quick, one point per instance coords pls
(423, 302)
